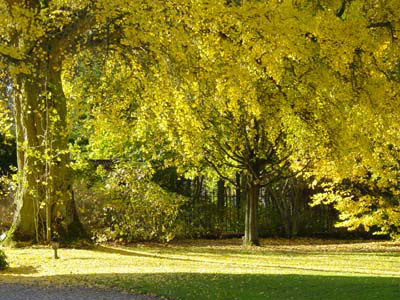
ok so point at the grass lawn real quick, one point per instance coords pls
(279, 269)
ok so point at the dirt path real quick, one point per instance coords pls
(31, 292)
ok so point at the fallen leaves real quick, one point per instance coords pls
(164, 268)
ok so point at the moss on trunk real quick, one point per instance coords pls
(44, 194)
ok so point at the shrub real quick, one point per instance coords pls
(147, 215)
(3, 261)
(126, 206)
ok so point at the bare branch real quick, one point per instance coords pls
(292, 175)
(225, 151)
(385, 24)
(219, 172)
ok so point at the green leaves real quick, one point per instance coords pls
(137, 209)
(3, 260)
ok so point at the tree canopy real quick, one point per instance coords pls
(272, 89)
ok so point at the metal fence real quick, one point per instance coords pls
(212, 213)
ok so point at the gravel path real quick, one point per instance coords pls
(32, 292)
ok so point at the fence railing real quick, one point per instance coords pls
(212, 214)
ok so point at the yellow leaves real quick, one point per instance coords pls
(20, 69)
(201, 74)
(6, 121)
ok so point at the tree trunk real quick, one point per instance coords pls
(251, 234)
(28, 129)
(237, 191)
(221, 201)
(44, 192)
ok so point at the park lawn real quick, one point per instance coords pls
(279, 269)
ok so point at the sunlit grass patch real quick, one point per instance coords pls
(279, 269)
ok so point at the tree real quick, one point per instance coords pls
(241, 85)
(35, 39)
(7, 140)
(264, 87)
(218, 104)
(271, 88)
(361, 176)
(38, 40)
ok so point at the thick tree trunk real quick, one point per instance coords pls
(44, 196)
(251, 234)
(29, 130)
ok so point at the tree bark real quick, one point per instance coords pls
(45, 182)
(238, 191)
(251, 234)
(221, 201)
(25, 225)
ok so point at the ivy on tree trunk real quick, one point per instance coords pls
(45, 207)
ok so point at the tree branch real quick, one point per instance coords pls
(386, 24)
(277, 178)
(10, 53)
(219, 172)
(6, 54)
(341, 10)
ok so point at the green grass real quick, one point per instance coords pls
(265, 286)
(280, 269)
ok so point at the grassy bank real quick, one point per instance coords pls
(280, 269)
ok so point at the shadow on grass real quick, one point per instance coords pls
(164, 256)
(204, 251)
(202, 256)
(195, 286)
(300, 246)
(133, 251)
(23, 270)
(274, 242)
(119, 251)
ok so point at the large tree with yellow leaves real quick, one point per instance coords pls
(36, 37)
(271, 87)
(251, 85)
(39, 40)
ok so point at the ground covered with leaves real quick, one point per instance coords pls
(279, 269)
